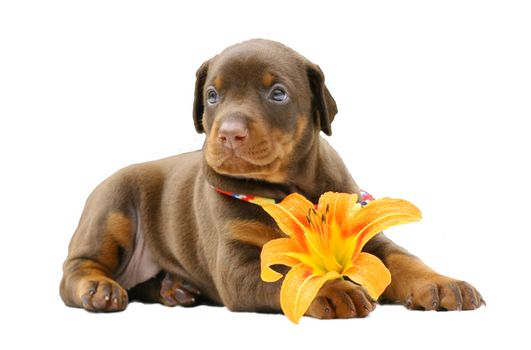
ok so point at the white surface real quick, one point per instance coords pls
(434, 101)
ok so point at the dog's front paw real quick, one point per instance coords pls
(341, 299)
(175, 291)
(102, 294)
(443, 294)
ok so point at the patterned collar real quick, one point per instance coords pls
(247, 197)
(365, 197)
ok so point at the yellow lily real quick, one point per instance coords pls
(325, 243)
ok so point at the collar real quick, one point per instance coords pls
(365, 197)
(247, 197)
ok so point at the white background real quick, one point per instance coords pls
(434, 101)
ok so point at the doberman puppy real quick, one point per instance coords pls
(160, 232)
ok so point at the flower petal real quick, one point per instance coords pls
(290, 216)
(377, 216)
(370, 272)
(275, 253)
(299, 289)
(338, 206)
(313, 262)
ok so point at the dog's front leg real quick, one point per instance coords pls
(237, 269)
(238, 280)
(241, 288)
(417, 286)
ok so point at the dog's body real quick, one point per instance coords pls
(159, 232)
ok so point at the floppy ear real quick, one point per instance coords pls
(323, 105)
(199, 107)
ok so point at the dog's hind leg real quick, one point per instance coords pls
(167, 289)
(100, 246)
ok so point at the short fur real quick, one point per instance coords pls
(158, 232)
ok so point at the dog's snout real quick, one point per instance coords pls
(233, 133)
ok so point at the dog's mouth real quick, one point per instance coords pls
(259, 160)
(240, 160)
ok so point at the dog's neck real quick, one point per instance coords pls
(318, 171)
(244, 185)
(321, 170)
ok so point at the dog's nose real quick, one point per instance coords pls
(233, 133)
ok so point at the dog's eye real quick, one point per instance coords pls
(278, 94)
(212, 96)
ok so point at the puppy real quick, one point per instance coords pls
(166, 232)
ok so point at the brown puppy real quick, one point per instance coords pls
(159, 232)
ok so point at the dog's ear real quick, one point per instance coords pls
(323, 105)
(199, 107)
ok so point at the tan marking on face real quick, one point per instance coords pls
(252, 232)
(279, 147)
(268, 79)
(286, 144)
(259, 160)
(218, 83)
(299, 128)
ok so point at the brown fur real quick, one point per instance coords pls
(199, 245)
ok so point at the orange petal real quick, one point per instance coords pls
(290, 216)
(275, 253)
(340, 206)
(312, 261)
(370, 272)
(299, 289)
(337, 207)
(377, 216)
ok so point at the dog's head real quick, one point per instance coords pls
(261, 106)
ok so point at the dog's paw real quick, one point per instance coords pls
(175, 291)
(101, 294)
(443, 294)
(341, 299)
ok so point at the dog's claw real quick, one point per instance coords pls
(443, 294)
(409, 302)
(104, 295)
(174, 291)
(341, 299)
(191, 288)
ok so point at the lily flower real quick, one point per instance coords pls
(325, 242)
